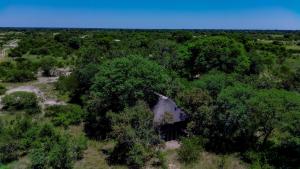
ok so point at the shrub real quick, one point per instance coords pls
(47, 64)
(2, 89)
(21, 101)
(159, 160)
(11, 134)
(190, 149)
(78, 145)
(8, 150)
(256, 159)
(214, 82)
(54, 149)
(67, 85)
(65, 115)
(19, 75)
(3, 167)
(13, 71)
(137, 156)
(60, 155)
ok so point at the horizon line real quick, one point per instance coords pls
(125, 28)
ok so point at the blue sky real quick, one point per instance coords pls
(187, 14)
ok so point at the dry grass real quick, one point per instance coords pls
(172, 160)
(94, 158)
(212, 161)
(22, 163)
(206, 161)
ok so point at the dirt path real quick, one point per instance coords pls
(32, 88)
(172, 145)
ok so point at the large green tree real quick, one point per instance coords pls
(217, 52)
(133, 128)
(121, 82)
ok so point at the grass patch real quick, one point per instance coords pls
(265, 41)
(292, 47)
(293, 63)
(212, 161)
(22, 163)
(94, 158)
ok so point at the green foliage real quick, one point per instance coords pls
(12, 144)
(199, 108)
(8, 150)
(122, 82)
(214, 82)
(47, 64)
(137, 156)
(13, 71)
(220, 53)
(78, 84)
(133, 128)
(3, 167)
(277, 109)
(2, 89)
(261, 61)
(190, 149)
(65, 115)
(257, 160)
(67, 85)
(21, 101)
(60, 156)
(165, 52)
(245, 98)
(182, 36)
(234, 121)
(57, 150)
(17, 75)
(74, 43)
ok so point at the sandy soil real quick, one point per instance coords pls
(172, 145)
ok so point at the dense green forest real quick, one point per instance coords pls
(240, 91)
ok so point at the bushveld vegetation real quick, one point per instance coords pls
(239, 89)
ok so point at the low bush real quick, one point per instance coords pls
(11, 133)
(256, 159)
(137, 156)
(133, 129)
(8, 150)
(19, 70)
(21, 101)
(65, 115)
(3, 167)
(190, 149)
(54, 149)
(2, 89)
(46, 146)
(47, 64)
(20, 75)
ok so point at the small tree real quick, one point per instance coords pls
(2, 89)
(47, 64)
(21, 101)
(65, 115)
(190, 149)
(133, 128)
